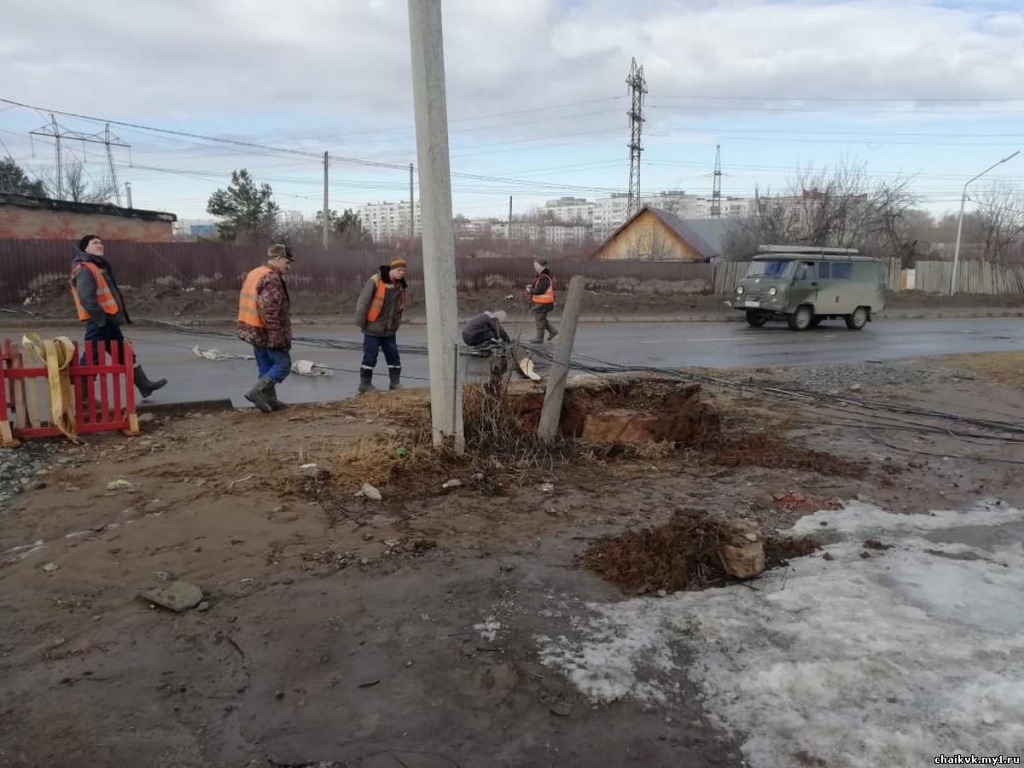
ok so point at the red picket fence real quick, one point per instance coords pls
(103, 394)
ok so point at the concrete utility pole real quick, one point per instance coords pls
(510, 225)
(427, 45)
(551, 411)
(412, 211)
(327, 210)
(128, 191)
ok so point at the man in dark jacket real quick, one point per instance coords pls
(542, 299)
(100, 305)
(485, 328)
(379, 316)
(264, 320)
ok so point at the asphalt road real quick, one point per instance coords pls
(715, 345)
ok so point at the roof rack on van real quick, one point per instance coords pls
(804, 249)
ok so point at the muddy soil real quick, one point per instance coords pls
(401, 631)
(683, 554)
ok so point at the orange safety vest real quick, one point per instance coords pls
(548, 297)
(104, 295)
(377, 304)
(248, 309)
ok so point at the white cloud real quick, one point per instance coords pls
(336, 74)
(315, 57)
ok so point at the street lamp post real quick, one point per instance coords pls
(960, 220)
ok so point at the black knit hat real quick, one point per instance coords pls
(84, 242)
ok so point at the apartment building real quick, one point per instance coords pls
(388, 221)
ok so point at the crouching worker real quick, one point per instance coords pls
(264, 320)
(379, 316)
(101, 307)
(485, 329)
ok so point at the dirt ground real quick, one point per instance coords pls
(337, 629)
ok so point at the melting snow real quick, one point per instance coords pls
(889, 660)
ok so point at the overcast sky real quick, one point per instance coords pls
(536, 93)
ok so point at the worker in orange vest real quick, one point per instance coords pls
(542, 299)
(265, 321)
(101, 307)
(379, 316)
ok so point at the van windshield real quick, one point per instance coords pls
(769, 268)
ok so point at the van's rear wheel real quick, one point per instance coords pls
(801, 319)
(756, 319)
(857, 320)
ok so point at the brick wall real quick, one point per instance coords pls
(17, 223)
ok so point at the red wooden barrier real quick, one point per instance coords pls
(103, 393)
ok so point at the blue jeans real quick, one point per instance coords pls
(275, 364)
(102, 336)
(372, 345)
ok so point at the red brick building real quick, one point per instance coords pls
(39, 218)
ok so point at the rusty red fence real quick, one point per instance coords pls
(103, 394)
(30, 268)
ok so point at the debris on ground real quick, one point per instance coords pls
(369, 492)
(177, 596)
(687, 554)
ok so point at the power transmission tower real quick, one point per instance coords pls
(637, 90)
(58, 133)
(716, 187)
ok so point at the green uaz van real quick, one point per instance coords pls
(805, 285)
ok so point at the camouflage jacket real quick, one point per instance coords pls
(275, 311)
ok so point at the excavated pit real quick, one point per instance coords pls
(685, 554)
(628, 411)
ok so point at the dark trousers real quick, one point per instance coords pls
(540, 320)
(372, 345)
(274, 364)
(102, 336)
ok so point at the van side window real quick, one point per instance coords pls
(823, 270)
(806, 271)
(842, 270)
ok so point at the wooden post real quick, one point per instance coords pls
(551, 411)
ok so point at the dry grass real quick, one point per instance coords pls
(999, 367)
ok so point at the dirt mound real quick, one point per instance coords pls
(682, 555)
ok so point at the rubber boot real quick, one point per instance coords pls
(258, 395)
(276, 404)
(551, 334)
(145, 386)
(366, 381)
(395, 374)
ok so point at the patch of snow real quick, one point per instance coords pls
(887, 660)
(489, 629)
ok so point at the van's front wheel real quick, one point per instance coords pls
(756, 319)
(801, 319)
(858, 319)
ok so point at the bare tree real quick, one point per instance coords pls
(841, 208)
(1001, 215)
(78, 185)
